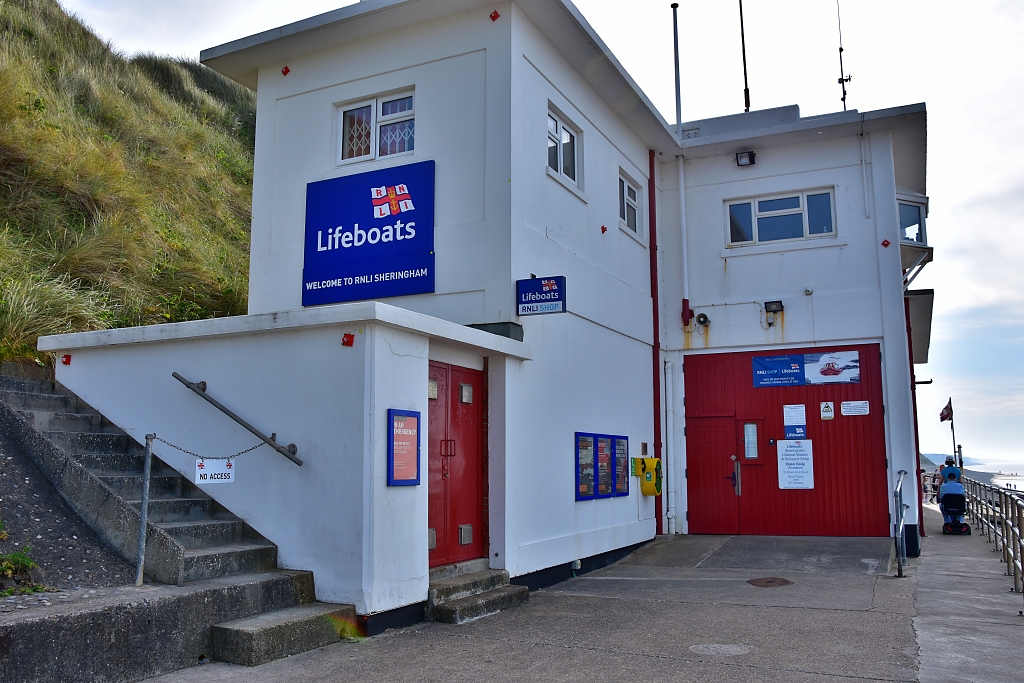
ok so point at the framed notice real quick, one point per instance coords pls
(796, 464)
(403, 448)
(602, 466)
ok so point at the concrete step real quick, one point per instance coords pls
(464, 585)
(265, 637)
(46, 421)
(176, 509)
(129, 486)
(206, 532)
(36, 386)
(475, 606)
(117, 463)
(76, 443)
(223, 560)
(447, 571)
(27, 400)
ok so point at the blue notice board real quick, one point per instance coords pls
(369, 235)
(540, 295)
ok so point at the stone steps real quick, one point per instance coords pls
(237, 558)
(265, 637)
(475, 593)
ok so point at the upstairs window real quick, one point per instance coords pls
(793, 216)
(912, 223)
(628, 205)
(378, 128)
(562, 152)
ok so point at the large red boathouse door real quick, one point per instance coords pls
(455, 464)
(733, 430)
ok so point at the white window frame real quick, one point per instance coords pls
(563, 125)
(625, 181)
(755, 214)
(376, 121)
(920, 203)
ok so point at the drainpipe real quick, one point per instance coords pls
(687, 313)
(670, 465)
(655, 313)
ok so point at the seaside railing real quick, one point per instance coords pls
(999, 515)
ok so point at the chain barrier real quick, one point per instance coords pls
(208, 457)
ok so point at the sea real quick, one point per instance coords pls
(1008, 474)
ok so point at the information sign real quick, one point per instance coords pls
(370, 235)
(855, 407)
(794, 421)
(403, 448)
(828, 410)
(798, 369)
(602, 465)
(215, 471)
(796, 465)
(540, 295)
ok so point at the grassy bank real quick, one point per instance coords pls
(125, 184)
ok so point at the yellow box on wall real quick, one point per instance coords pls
(649, 471)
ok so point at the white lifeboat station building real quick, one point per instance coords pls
(490, 285)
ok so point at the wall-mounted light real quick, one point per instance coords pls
(744, 158)
(772, 309)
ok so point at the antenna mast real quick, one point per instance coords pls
(679, 105)
(843, 78)
(743, 44)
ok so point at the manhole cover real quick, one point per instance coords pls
(719, 650)
(769, 582)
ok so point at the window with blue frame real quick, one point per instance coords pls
(602, 466)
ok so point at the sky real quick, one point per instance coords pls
(961, 59)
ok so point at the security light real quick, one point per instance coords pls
(744, 158)
(773, 307)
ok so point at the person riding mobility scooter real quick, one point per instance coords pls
(953, 505)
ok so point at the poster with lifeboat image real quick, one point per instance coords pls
(837, 367)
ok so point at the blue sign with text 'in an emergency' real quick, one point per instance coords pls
(370, 235)
(540, 295)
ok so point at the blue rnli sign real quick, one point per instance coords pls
(540, 295)
(370, 235)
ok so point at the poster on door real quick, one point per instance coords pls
(796, 464)
(794, 421)
(799, 369)
(403, 448)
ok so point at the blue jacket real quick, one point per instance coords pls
(951, 487)
(950, 468)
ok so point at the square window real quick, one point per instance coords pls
(912, 223)
(378, 128)
(563, 149)
(629, 209)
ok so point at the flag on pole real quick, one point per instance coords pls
(947, 412)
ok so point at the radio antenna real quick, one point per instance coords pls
(743, 46)
(843, 78)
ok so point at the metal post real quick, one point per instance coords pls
(1017, 515)
(147, 466)
(1004, 501)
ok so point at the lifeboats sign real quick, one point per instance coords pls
(797, 369)
(540, 295)
(370, 235)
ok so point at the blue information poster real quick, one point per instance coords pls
(370, 235)
(540, 295)
(798, 369)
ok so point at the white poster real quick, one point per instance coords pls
(828, 410)
(837, 367)
(794, 415)
(796, 465)
(855, 408)
(215, 471)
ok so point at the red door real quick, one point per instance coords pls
(455, 464)
(727, 416)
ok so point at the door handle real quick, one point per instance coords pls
(738, 478)
(451, 448)
(733, 477)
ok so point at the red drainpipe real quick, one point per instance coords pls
(656, 348)
(917, 437)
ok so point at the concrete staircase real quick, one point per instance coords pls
(469, 590)
(191, 539)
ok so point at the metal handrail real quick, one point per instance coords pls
(288, 451)
(901, 509)
(999, 515)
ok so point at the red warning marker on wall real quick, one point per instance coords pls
(604, 229)
(65, 359)
(285, 71)
(886, 243)
(348, 340)
(495, 15)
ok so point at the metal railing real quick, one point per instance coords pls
(288, 451)
(901, 510)
(999, 515)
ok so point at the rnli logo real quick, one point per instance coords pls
(389, 201)
(548, 285)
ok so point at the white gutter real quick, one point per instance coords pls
(670, 417)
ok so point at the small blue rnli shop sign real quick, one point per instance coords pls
(370, 235)
(540, 295)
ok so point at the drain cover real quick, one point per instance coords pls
(719, 649)
(769, 582)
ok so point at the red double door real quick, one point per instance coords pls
(455, 464)
(732, 435)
